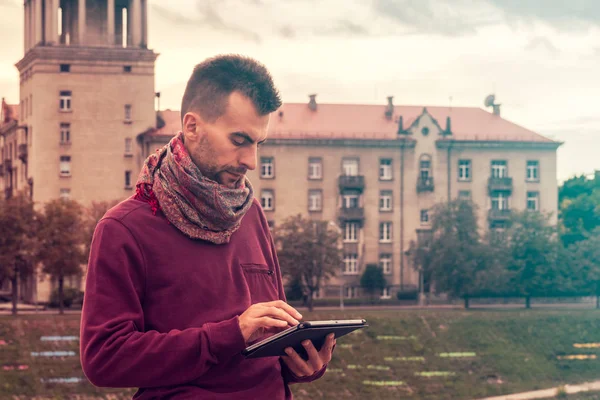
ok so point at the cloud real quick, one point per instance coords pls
(542, 44)
(344, 27)
(210, 17)
(563, 14)
(443, 17)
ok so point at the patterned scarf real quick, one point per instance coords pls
(199, 207)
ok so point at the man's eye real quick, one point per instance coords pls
(238, 142)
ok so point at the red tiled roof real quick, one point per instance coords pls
(357, 121)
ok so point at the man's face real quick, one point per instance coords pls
(226, 149)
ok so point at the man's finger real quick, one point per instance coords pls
(280, 314)
(327, 348)
(299, 362)
(292, 366)
(268, 322)
(284, 306)
(314, 359)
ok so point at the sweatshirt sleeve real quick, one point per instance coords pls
(288, 376)
(115, 348)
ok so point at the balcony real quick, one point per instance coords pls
(23, 153)
(8, 165)
(354, 214)
(500, 184)
(425, 184)
(352, 182)
(499, 215)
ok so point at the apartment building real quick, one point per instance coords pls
(378, 170)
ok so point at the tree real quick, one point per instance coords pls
(584, 263)
(373, 280)
(534, 256)
(454, 257)
(62, 244)
(309, 251)
(18, 227)
(92, 215)
(579, 203)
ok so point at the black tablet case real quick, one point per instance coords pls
(317, 335)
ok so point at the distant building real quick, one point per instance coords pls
(377, 171)
(86, 92)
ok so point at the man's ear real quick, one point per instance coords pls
(192, 127)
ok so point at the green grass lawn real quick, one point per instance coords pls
(403, 354)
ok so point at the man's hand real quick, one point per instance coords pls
(316, 359)
(263, 318)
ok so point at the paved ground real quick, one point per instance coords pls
(550, 393)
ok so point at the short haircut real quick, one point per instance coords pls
(214, 79)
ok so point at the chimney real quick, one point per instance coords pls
(496, 109)
(312, 104)
(389, 110)
(401, 130)
(448, 126)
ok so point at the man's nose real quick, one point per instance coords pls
(249, 158)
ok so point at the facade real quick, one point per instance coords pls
(377, 171)
(86, 92)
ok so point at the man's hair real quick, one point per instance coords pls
(214, 79)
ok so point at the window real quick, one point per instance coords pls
(65, 100)
(385, 169)
(385, 262)
(351, 264)
(385, 293)
(128, 146)
(351, 232)
(315, 200)
(267, 200)
(350, 166)
(533, 201)
(424, 217)
(267, 167)
(31, 104)
(127, 179)
(385, 232)
(533, 171)
(65, 165)
(464, 195)
(464, 170)
(127, 112)
(425, 167)
(315, 168)
(127, 68)
(65, 68)
(385, 200)
(499, 201)
(65, 194)
(350, 200)
(351, 292)
(65, 133)
(499, 169)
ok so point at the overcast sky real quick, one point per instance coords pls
(540, 57)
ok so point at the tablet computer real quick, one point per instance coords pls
(315, 331)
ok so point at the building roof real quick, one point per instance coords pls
(8, 112)
(358, 121)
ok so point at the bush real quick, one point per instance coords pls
(71, 296)
(408, 295)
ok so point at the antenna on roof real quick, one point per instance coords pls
(490, 102)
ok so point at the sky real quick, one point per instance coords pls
(541, 58)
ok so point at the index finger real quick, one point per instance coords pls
(284, 306)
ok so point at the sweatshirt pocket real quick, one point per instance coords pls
(261, 282)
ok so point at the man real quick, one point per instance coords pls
(184, 275)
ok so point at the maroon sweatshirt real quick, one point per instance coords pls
(161, 310)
